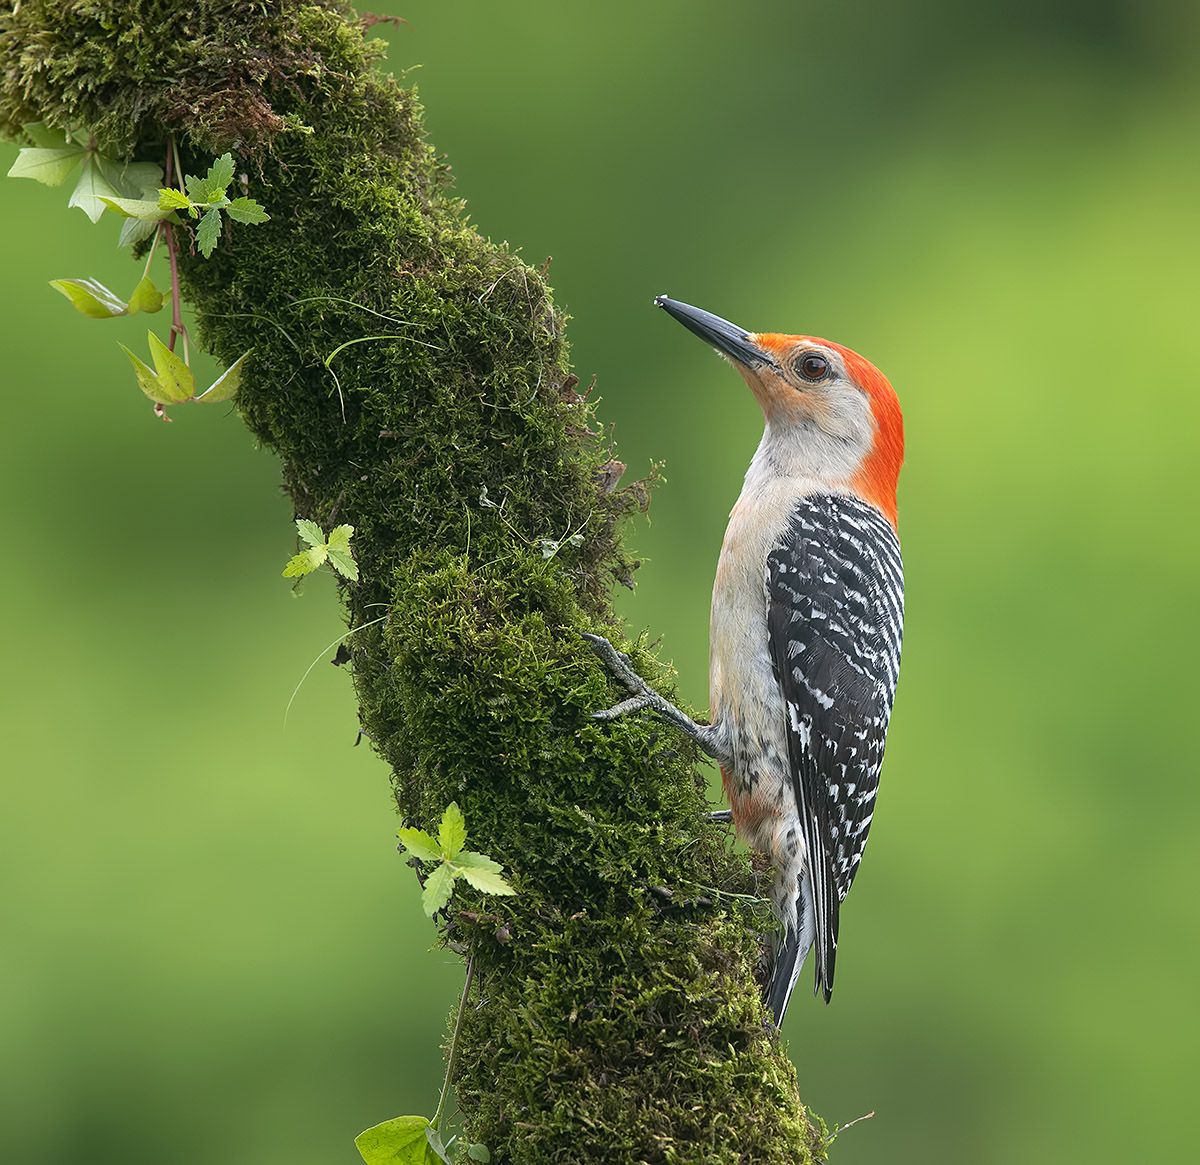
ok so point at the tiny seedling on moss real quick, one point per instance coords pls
(335, 549)
(452, 861)
(417, 1140)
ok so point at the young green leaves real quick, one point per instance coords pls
(453, 862)
(415, 1140)
(336, 550)
(171, 381)
(91, 298)
(206, 198)
(55, 156)
(405, 1140)
(134, 190)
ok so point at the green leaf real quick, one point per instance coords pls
(482, 872)
(143, 208)
(400, 1141)
(341, 558)
(208, 232)
(340, 536)
(226, 386)
(42, 135)
(146, 297)
(132, 179)
(452, 833)
(50, 167)
(217, 180)
(310, 532)
(92, 189)
(437, 1149)
(171, 199)
(438, 888)
(478, 1152)
(147, 379)
(196, 188)
(134, 230)
(419, 844)
(305, 562)
(246, 210)
(175, 377)
(91, 298)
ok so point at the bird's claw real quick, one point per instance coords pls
(644, 696)
(634, 704)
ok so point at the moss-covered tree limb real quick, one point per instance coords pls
(620, 1020)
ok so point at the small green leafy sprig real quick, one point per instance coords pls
(172, 382)
(452, 861)
(335, 550)
(417, 1140)
(135, 191)
(206, 198)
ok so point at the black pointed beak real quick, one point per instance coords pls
(727, 338)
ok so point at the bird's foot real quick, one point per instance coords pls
(644, 696)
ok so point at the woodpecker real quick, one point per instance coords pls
(804, 639)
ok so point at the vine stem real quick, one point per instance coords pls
(462, 1007)
(174, 173)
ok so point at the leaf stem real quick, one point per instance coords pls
(153, 248)
(453, 1055)
(177, 325)
(174, 173)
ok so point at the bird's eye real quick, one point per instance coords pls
(812, 365)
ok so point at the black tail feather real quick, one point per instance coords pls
(783, 975)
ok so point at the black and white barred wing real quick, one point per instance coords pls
(835, 609)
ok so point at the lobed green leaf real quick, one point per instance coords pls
(246, 210)
(135, 230)
(218, 178)
(147, 379)
(419, 844)
(43, 136)
(143, 208)
(400, 1141)
(482, 872)
(310, 532)
(452, 832)
(146, 297)
(176, 379)
(208, 232)
(438, 888)
(91, 298)
(50, 167)
(92, 189)
(341, 558)
(305, 562)
(172, 199)
(226, 386)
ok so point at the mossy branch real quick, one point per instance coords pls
(616, 1022)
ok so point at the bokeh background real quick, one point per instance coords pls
(210, 950)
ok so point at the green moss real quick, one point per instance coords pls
(621, 1019)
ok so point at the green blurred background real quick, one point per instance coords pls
(211, 952)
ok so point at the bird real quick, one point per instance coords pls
(805, 630)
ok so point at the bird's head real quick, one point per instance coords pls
(831, 415)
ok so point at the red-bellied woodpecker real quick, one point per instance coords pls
(807, 612)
